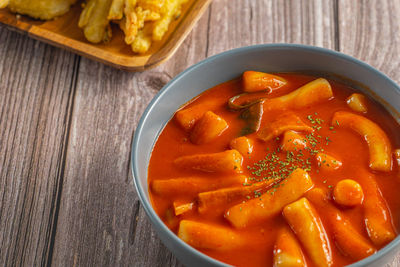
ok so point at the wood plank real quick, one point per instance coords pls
(36, 83)
(100, 222)
(256, 22)
(369, 30)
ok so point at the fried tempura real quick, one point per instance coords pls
(3, 3)
(39, 9)
(142, 21)
(135, 17)
(152, 5)
(143, 40)
(116, 10)
(94, 21)
(170, 10)
(140, 34)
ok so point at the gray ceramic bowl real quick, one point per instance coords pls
(224, 67)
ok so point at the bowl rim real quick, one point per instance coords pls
(155, 219)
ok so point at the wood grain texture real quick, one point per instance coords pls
(370, 31)
(100, 221)
(247, 22)
(66, 126)
(36, 90)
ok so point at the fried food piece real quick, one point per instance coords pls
(143, 40)
(169, 10)
(135, 17)
(94, 21)
(132, 20)
(38, 9)
(159, 16)
(3, 3)
(116, 10)
(152, 5)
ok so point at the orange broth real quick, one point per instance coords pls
(174, 142)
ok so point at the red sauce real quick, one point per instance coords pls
(352, 149)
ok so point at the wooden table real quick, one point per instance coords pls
(66, 125)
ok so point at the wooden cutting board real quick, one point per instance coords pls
(64, 32)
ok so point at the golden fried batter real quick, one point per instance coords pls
(116, 10)
(142, 21)
(170, 10)
(39, 9)
(3, 3)
(94, 21)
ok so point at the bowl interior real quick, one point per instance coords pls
(229, 65)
